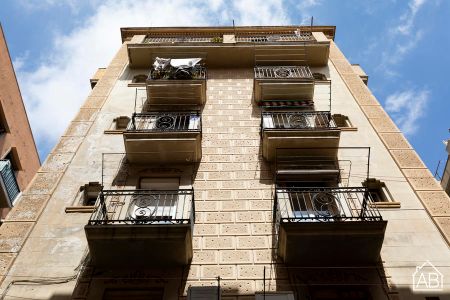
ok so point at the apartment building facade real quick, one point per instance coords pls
(230, 163)
(19, 159)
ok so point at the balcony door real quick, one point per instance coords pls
(156, 200)
(305, 203)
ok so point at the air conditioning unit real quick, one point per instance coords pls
(204, 293)
(275, 296)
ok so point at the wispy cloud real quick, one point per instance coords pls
(407, 19)
(54, 90)
(401, 39)
(407, 107)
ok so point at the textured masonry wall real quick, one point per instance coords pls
(434, 199)
(233, 230)
(49, 249)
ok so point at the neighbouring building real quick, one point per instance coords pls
(445, 181)
(19, 159)
(233, 163)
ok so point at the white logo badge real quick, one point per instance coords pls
(427, 277)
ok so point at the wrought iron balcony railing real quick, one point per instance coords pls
(143, 207)
(165, 122)
(178, 39)
(297, 120)
(267, 38)
(194, 73)
(240, 38)
(324, 204)
(283, 72)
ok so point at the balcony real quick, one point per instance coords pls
(283, 131)
(160, 137)
(287, 83)
(141, 228)
(177, 86)
(327, 226)
(219, 39)
(233, 47)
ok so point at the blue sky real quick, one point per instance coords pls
(403, 46)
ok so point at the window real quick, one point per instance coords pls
(93, 83)
(275, 296)
(377, 190)
(121, 122)
(203, 292)
(118, 125)
(9, 187)
(141, 78)
(342, 120)
(157, 199)
(319, 76)
(90, 193)
(3, 124)
(134, 294)
(339, 292)
(13, 157)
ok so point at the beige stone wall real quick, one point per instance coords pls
(233, 234)
(419, 230)
(39, 241)
(233, 231)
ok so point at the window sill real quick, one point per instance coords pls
(136, 85)
(113, 131)
(390, 204)
(80, 209)
(348, 128)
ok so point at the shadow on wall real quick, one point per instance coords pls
(61, 297)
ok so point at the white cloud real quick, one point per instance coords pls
(401, 39)
(407, 107)
(54, 90)
(309, 3)
(36, 5)
(256, 12)
(408, 18)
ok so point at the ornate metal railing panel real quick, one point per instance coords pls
(297, 120)
(268, 38)
(250, 38)
(143, 207)
(325, 204)
(165, 122)
(179, 39)
(283, 72)
(182, 73)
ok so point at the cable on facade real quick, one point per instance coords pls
(49, 280)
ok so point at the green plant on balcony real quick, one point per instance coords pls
(217, 39)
